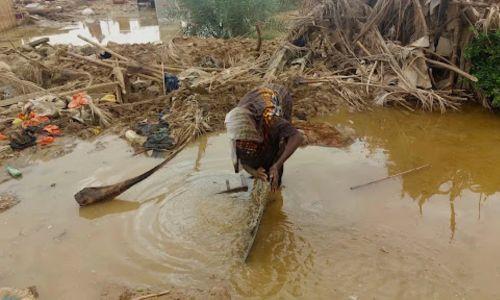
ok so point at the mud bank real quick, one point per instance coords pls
(430, 234)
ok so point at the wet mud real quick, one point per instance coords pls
(427, 235)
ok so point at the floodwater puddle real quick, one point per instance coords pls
(141, 29)
(431, 234)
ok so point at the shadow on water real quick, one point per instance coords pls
(460, 147)
(100, 210)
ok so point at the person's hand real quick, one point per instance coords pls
(274, 177)
(260, 174)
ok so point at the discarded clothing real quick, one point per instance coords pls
(300, 41)
(79, 100)
(158, 135)
(43, 106)
(105, 55)
(171, 82)
(159, 140)
(45, 140)
(22, 140)
(109, 98)
(31, 120)
(134, 138)
(53, 130)
(147, 128)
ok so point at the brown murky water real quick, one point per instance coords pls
(429, 235)
(143, 28)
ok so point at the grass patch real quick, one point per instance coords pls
(484, 54)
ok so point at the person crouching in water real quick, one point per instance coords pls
(261, 134)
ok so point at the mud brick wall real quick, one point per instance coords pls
(7, 16)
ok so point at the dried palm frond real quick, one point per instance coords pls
(379, 51)
(19, 84)
(100, 115)
(187, 120)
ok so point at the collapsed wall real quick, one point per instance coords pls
(405, 52)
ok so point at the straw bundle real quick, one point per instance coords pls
(404, 52)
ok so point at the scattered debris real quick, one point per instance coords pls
(134, 138)
(6, 202)
(53, 130)
(13, 172)
(22, 140)
(45, 140)
(88, 12)
(29, 293)
(379, 52)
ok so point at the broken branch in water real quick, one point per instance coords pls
(152, 295)
(389, 177)
(91, 195)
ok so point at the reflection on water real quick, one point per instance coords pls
(118, 30)
(462, 149)
(143, 28)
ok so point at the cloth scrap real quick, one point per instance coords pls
(78, 100)
(53, 130)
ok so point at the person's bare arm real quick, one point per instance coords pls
(291, 146)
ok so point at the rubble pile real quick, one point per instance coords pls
(84, 90)
(358, 53)
(408, 53)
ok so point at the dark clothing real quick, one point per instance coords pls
(271, 107)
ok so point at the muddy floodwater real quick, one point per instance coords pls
(432, 234)
(141, 28)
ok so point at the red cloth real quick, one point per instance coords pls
(79, 100)
(53, 130)
(32, 120)
(45, 140)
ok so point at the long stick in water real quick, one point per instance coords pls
(92, 195)
(389, 177)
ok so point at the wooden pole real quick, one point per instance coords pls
(103, 48)
(107, 85)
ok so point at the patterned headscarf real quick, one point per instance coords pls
(241, 126)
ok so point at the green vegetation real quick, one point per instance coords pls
(230, 18)
(484, 54)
